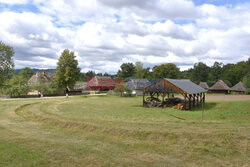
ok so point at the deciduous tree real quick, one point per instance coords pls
(166, 71)
(6, 62)
(127, 70)
(67, 71)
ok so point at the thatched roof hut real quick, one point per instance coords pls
(219, 87)
(239, 87)
(204, 85)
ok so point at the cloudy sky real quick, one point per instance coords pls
(106, 33)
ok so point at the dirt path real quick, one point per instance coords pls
(228, 97)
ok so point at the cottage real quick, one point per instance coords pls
(100, 83)
(39, 77)
(160, 91)
(204, 85)
(137, 85)
(238, 88)
(219, 87)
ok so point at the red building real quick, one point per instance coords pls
(100, 83)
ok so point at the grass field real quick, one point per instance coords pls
(115, 131)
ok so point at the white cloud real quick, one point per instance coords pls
(104, 34)
(14, 2)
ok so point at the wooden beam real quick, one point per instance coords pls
(189, 101)
(143, 101)
(193, 100)
(185, 98)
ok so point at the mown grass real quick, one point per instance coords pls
(116, 131)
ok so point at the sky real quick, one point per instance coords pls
(106, 33)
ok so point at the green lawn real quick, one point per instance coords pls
(116, 131)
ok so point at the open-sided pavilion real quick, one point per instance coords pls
(162, 89)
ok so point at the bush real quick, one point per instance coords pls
(248, 91)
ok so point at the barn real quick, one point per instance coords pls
(160, 94)
(219, 87)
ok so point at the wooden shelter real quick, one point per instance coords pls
(238, 88)
(160, 94)
(219, 87)
(204, 85)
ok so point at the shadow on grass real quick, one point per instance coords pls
(207, 106)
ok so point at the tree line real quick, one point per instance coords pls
(200, 72)
(68, 73)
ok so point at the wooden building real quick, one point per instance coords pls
(137, 85)
(161, 91)
(100, 83)
(38, 78)
(238, 88)
(204, 85)
(219, 87)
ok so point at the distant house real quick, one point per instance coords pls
(39, 77)
(80, 86)
(204, 85)
(219, 87)
(137, 85)
(238, 88)
(100, 83)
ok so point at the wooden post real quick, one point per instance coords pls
(143, 101)
(197, 99)
(185, 97)
(189, 98)
(193, 100)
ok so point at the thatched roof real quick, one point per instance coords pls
(204, 85)
(39, 77)
(220, 85)
(239, 87)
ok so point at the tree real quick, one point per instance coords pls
(166, 71)
(67, 71)
(16, 86)
(246, 81)
(200, 72)
(106, 74)
(215, 73)
(140, 71)
(26, 73)
(90, 73)
(6, 62)
(127, 70)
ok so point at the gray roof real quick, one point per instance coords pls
(137, 84)
(186, 85)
